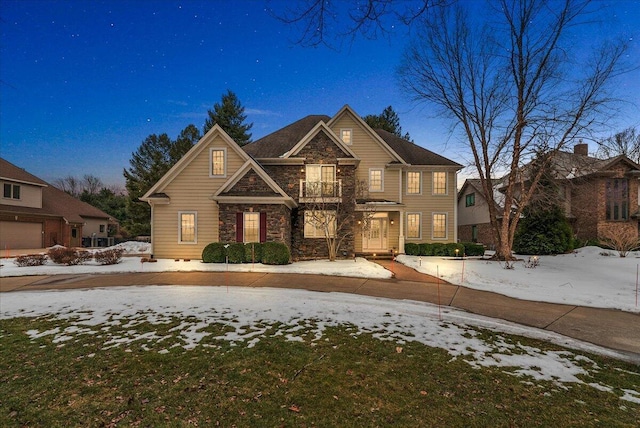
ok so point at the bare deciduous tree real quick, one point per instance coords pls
(69, 184)
(626, 142)
(334, 215)
(326, 22)
(508, 84)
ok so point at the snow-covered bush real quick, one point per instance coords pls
(30, 260)
(109, 257)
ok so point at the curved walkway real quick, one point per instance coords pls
(613, 329)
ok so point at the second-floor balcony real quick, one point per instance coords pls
(321, 191)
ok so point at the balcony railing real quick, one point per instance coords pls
(328, 191)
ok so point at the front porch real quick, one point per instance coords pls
(379, 231)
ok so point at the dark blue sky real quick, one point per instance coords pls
(83, 83)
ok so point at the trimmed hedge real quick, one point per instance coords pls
(411, 249)
(253, 252)
(235, 252)
(425, 249)
(214, 253)
(473, 249)
(441, 249)
(275, 253)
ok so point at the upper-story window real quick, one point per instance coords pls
(617, 199)
(346, 136)
(320, 180)
(439, 183)
(470, 200)
(218, 162)
(11, 191)
(414, 180)
(376, 180)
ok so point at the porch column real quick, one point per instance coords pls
(401, 237)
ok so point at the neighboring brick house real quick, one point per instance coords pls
(387, 190)
(598, 195)
(34, 214)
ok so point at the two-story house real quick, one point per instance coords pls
(598, 196)
(387, 190)
(34, 214)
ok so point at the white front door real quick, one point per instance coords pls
(375, 238)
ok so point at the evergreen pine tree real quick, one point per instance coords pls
(229, 114)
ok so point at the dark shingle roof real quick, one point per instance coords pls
(412, 153)
(281, 141)
(12, 172)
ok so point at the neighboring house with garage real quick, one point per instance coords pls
(391, 191)
(34, 214)
(599, 197)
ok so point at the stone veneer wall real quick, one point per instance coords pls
(320, 150)
(278, 221)
(251, 184)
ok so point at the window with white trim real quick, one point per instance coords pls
(187, 229)
(218, 162)
(414, 180)
(320, 180)
(413, 226)
(345, 136)
(376, 180)
(251, 226)
(439, 183)
(316, 222)
(439, 228)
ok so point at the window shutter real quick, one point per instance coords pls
(263, 227)
(239, 227)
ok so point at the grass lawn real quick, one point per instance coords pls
(345, 378)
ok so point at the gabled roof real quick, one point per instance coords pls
(320, 127)
(156, 190)
(412, 153)
(249, 165)
(55, 202)
(346, 110)
(476, 185)
(10, 172)
(279, 143)
(285, 142)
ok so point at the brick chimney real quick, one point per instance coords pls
(581, 149)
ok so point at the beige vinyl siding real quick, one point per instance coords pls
(30, 196)
(475, 214)
(92, 225)
(372, 155)
(427, 204)
(393, 234)
(191, 190)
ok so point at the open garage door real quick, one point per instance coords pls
(17, 235)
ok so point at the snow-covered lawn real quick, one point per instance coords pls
(590, 277)
(250, 314)
(586, 277)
